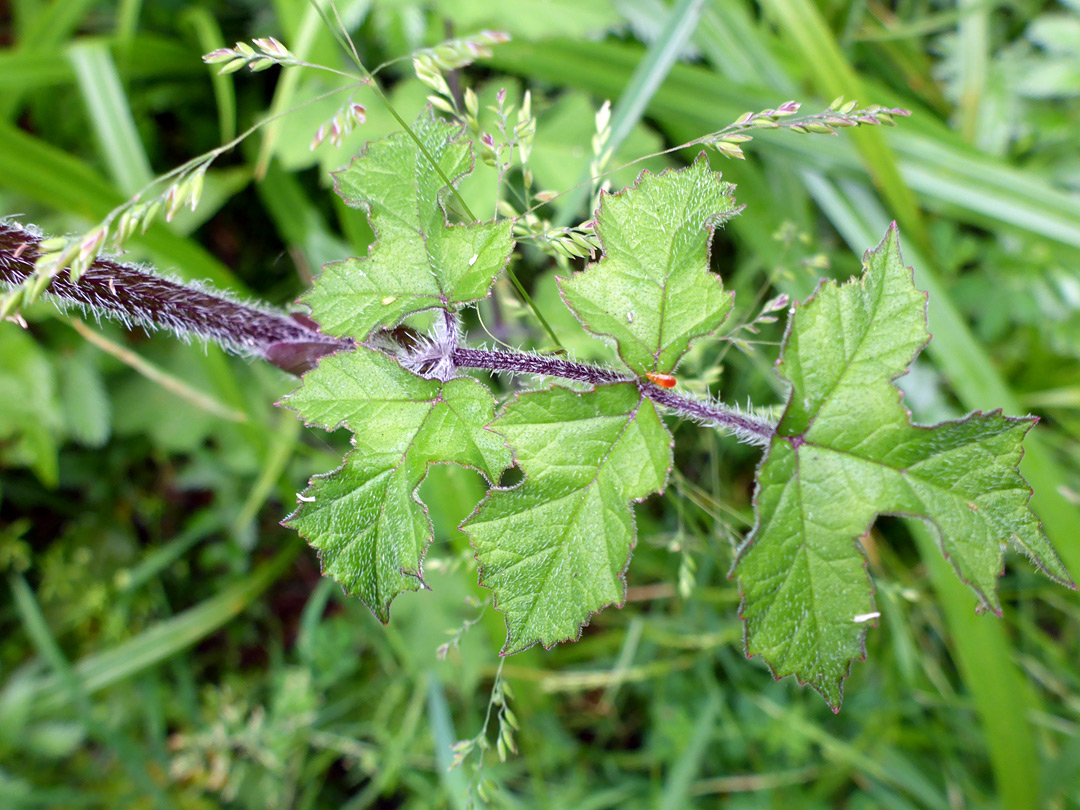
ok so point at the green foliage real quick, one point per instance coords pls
(844, 452)
(653, 292)
(535, 19)
(560, 157)
(29, 413)
(289, 693)
(420, 261)
(84, 400)
(364, 518)
(554, 550)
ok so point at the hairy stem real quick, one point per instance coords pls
(748, 427)
(294, 343)
(342, 35)
(522, 363)
(135, 297)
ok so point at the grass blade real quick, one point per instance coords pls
(442, 729)
(156, 375)
(645, 81)
(974, 35)
(850, 754)
(676, 791)
(158, 560)
(107, 107)
(280, 452)
(147, 57)
(285, 91)
(42, 172)
(43, 35)
(834, 76)
(208, 34)
(131, 757)
(1002, 698)
(653, 69)
(164, 639)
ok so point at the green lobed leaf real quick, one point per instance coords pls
(365, 518)
(554, 549)
(652, 291)
(419, 261)
(844, 452)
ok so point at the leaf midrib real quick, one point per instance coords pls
(902, 472)
(803, 550)
(802, 542)
(631, 417)
(378, 522)
(851, 359)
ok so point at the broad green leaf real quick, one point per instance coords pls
(844, 452)
(652, 291)
(419, 261)
(364, 518)
(554, 549)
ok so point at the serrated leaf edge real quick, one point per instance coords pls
(984, 604)
(710, 224)
(365, 206)
(892, 232)
(283, 402)
(462, 527)
(414, 495)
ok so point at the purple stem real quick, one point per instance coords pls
(535, 364)
(747, 427)
(134, 296)
(294, 343)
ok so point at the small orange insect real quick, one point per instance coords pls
(663, 380)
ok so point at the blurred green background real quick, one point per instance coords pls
(164, 643)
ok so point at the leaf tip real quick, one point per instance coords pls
(514, 644)
(833, 691)
(890, 243)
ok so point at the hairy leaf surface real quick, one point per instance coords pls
(364, 518)
(418, 260)
(554, 548)
(652, 291)
(844, 452)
